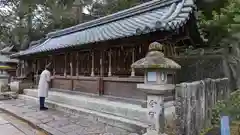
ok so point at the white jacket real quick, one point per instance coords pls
(43, 84)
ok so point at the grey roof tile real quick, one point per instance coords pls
(6, 59)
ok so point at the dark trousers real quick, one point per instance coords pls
(42, 101)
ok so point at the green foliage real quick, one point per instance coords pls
(221, 24)
(230, 108)
(205, 131)
(23, 21)
(32, 19)
(111, 6)
(28, 20)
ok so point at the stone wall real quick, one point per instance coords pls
(194, 103)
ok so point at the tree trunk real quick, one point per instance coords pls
(79, 14)
(20, 25)
(29, 21)
(26, 41)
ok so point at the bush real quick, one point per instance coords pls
(229, 108)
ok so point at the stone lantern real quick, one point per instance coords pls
(157, 83)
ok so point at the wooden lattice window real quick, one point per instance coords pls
(74, 62)
(84, 67)
(97, 66)
(59, 64)
(67, 63)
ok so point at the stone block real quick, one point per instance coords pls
(129, 111)
(112, 130)
(58, 123)
(50, 130)
(71, 127)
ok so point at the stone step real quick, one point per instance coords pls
(54, 122)
(123, 123)
(120, 114)
(102, 105)
(8, 95)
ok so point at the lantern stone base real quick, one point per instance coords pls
(156, 89)
(155, 106)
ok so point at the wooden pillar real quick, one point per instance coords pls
(21, 68)
(133, 60)
(46, 62)
(101, 63)
(100, 81)
(54, 65)
(24, 67)
(38, 65)
(110, 63)
(77, 66)
(92, 71)
(34, 66)
(37, 70)
(18, 69)
(65, 65)
(71, 65)
(16, 72)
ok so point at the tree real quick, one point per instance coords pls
(19, 21)
(23, 21)
(28, 20)
(78, 6)
(106, 7)
(223, 24)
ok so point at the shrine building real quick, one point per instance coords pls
(95, 57)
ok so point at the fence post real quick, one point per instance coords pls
(157, 84)
(180, 104)
(194, 104)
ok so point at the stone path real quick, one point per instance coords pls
(6, 128)
(56, 122)
(11, 126)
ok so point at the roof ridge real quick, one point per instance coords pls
(113, 17)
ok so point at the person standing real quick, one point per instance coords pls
(43, 86)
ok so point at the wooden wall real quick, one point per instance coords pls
(116, 87)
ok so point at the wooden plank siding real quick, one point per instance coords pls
(81, 81)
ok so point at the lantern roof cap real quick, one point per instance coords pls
(155, 59)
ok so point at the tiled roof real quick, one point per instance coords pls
(7, 49)
(6, 59)
(156, 15)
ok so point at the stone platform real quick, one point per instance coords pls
(129, 116)
(57, 122)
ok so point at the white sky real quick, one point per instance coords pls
(85, 11)
(7, 8)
